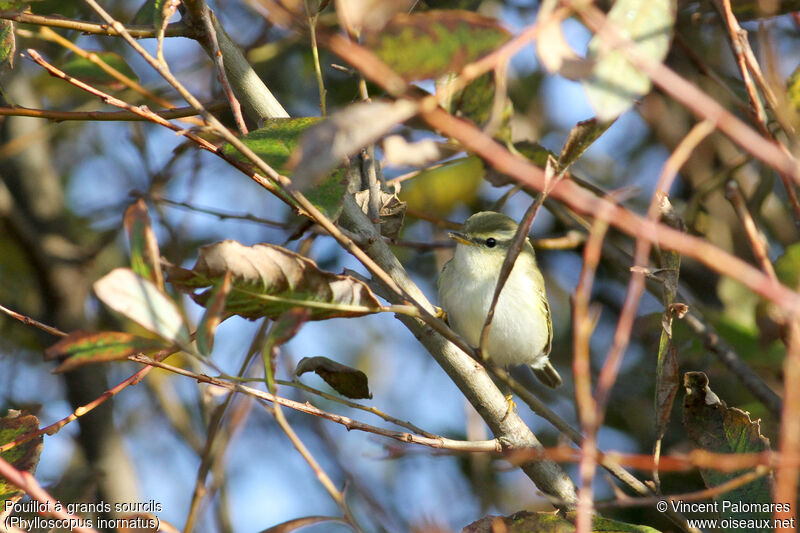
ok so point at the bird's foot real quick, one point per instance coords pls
(438, 312)
(512, 406)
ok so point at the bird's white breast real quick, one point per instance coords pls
(519, 332)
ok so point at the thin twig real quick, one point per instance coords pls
(211, 32)
(50, 506)
(58, 116)
(349, 423)
(28, 321)
(177, 29)
(737, 199)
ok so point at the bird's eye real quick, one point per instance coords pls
(490, 242)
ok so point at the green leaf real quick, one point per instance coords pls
(269, 280)
(439, 190)
(581, 137)
(145, 256)
(88, 71)
(14, 5)
(345, 380)
(615, 83)
(793, 89)
(713, 426)
(425, 45)
(787, 266)
(24, 457)
(138, 299)
(215, 310)
(145, 15)
(476, 102)
(8, 45)
(275, 141)
(83, 348)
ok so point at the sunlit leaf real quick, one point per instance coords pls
(83, 347)
(580, 138)
(145, 256)
(439, 190)
(85, 70)
(713, 426)
(8, 45)
(138, 299)
(793, 89)
(275, 141)
(14, 5)
(345, 380)
(215, 311)
(370, 15)
(327, 144)
(269, 280)
(615, 83)
(391, 211)
(24, 457)
(425, 45)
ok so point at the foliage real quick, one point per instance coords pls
(313, 229)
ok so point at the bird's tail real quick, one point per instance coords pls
(548, 375)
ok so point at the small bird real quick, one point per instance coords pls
(522, 331)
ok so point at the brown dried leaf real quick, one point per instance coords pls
(345, 380)
(269, 280)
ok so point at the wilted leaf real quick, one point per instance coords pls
(581, 137)
(269, 280)
(439, 190)
(615, 83)
(392, 211)
(400, 153)
(713, 426)
(215, 310)
(526, 521)
(141, 301)
(83, 347)
(88, 71)
(8, 45)
(425, 45)
(345, 380)
(552, 48)
(327, 144)
(24, 457)
(369, 15)
(145, 257)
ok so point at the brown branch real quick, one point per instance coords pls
(51, 507)
(349, 423)
(177, 29)
(578, 198)
(130, 116)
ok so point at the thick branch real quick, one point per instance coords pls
(257, 100)
(467, 374)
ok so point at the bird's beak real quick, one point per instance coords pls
(460, 238)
